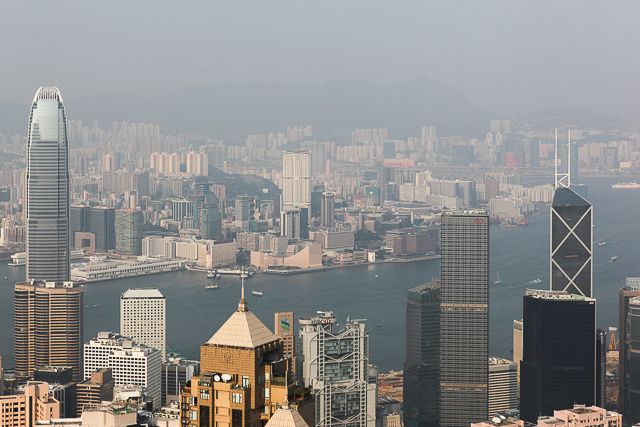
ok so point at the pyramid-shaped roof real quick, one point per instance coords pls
(286, 416)
(243, 329)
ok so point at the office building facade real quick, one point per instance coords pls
(558, 365)
(632, 364)
(128, 232)
(422, 367)
(131, 363)
(625, 294)
(143, 317)
(503, 385)
(242, 212)
(464, 317)
(335, 364)
(327, 211)
(47, 189)
(211, 224)
(571, 243)
(95, 390)
(175, 374)
(48, 327)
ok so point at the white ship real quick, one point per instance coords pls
(631, 184)
(497, 282)
(602, 244)
(212, 274)
(256, 293)
(614, 258)
(247, 273)
(211, 286)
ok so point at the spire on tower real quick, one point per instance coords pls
(242, 305)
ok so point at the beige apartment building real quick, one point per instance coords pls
(23, 410)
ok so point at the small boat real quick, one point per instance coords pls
(497, 282)
(256, 293)
(97, 305)
(211, 286)
(602, 244)
(376, 276)
(614, 258)
(218, 276)
(211, 274)
(378, 325)
(5, 278)
(536, 281)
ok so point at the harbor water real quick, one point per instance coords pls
(520, 254)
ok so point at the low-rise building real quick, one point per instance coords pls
(581, 416)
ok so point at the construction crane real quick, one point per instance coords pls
(613, 344)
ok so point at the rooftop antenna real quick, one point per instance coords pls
(562, 179)
(242, 306)
(569, 157)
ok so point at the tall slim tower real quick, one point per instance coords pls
(571, 238)
(327, 207)
(296, 179)
(464, 318)
(47, 195)
(625, 294)
(422, 367)
(48, 326)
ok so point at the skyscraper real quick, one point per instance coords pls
(335, 364)
(296, 179)
(571, 243)
(558, 365)
(327, 214)
(143, 317)
(422, 367)
(128, 223)
(626, 293)
(242, 212)
(48, 326)
(632, 363)
(211, 224)
(47, 192)
(464, 317)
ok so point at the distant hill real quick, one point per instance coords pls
(233, 110)
(241, 184)
(559, 117)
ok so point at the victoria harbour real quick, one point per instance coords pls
(519, 254)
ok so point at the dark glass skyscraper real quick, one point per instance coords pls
(558, 367)
(632, 361)
(47, 193)
(422, 367)
(571, 243)
(625, 294)
(464, 318)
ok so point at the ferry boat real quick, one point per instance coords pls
(211, 274)
(602, 244)
(211, 286)
(614, 258)
(237, 272)
(631, 184)
(256, 293)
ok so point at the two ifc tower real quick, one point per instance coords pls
(48, 307)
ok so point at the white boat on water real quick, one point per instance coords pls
(535, 282)
(211, 286)
(614, 258)
(602, 244)
(626, 185)
(211, 274)
(256, 293)
(247, 273)
(497, 282)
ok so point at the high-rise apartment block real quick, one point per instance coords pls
(48, 326)
(244, 376)
(197, 163)
(558, 365)
(143, 317)
(571, 243)
(335, 364)
(422, 367)
(503, 385)
(24, 410)
(175, 374)
(296, 179)
(165, 163)
(625, 294)
(47, 189)
(95, 390)
(128, 231)
(464, 317)
(327, 211)
(131, 363)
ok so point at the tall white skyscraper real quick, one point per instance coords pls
(47, 193)
(296, 179)
(143, 317)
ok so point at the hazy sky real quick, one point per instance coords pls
(510, 57)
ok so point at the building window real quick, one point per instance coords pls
(245, 381)
(266, 377)
(237, 398)
(204, 394)
(266, 393)
(193, 415)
